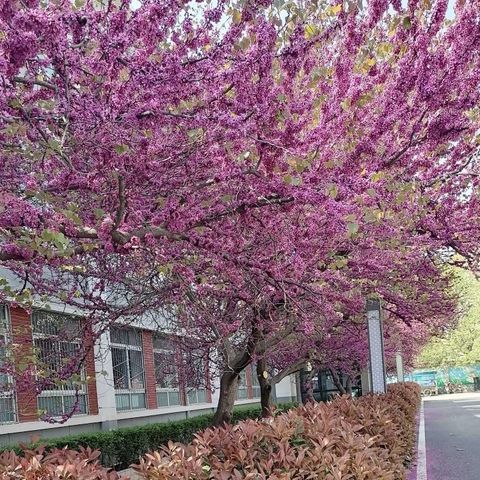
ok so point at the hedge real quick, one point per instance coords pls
(371, 438)
(124, 446)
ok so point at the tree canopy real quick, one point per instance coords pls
(256, 168)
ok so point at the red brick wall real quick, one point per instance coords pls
(208, 383)
(249, 373)
(149, 366)
(91, 381)
(23, 348)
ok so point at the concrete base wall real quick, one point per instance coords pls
(286, 399)
(167, 417)
(25, 437)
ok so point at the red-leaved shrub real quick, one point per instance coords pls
(370, 438)
(55, 465)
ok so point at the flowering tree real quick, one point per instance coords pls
(277, 163)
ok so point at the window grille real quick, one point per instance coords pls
(242, 391)
(255, 385)
(195, 375)
(128, 369)
(57, 339)
(8, 411)
(166, 375)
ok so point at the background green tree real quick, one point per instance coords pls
(461, 345)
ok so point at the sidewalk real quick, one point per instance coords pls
(448, 438)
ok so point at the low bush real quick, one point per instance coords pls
(37, 464)
(124, 446)
(366, 439)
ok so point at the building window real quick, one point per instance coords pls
(255, 385)
(242, 390)
(57, 339)
(128, 369)
(246, 374)
(166, 375)
(195, 378)
(7, 396)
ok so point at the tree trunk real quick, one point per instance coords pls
(308, 387)
(337, 381)
(226, 401)
(265, 389)
(348, 387)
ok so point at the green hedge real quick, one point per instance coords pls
(124, 446)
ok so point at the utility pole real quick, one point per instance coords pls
(378, 380)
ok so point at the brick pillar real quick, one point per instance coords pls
(149, 366)
(208, 382)
(249, 373)
(23, 349)
(91, 376)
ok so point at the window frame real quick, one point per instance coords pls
(62, 392)
(129, 392)
(256, 392)
(193, 393)
(7, 394)
(169, 391)
(242, 386)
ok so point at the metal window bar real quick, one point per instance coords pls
(196, 394)
(56, 338)
(128, 368)
(255, 385)
(242, 391)
(8, 408)
(166, 376)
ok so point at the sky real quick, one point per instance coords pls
(450, 13)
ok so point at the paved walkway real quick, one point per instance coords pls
(449, 438)
(129, 474)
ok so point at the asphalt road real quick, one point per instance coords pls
(452, 437)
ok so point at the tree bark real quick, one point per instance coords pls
(337, 381)
(265, 389)
(308, 387)
(226, 401)
(348, 387)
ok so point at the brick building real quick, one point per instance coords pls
(128, 378)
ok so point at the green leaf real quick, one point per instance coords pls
(310, 31)
(297, 181)
(237, 16)
(288, 179)
(377, 176)
(352, 228)
(99, 213)
(124, 74)
(122, 148)
(332, 190)
(47, 235)
(407, 22)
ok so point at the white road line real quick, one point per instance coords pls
(422, 451)
(477, 416)
(472, 400)
(470, 406)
